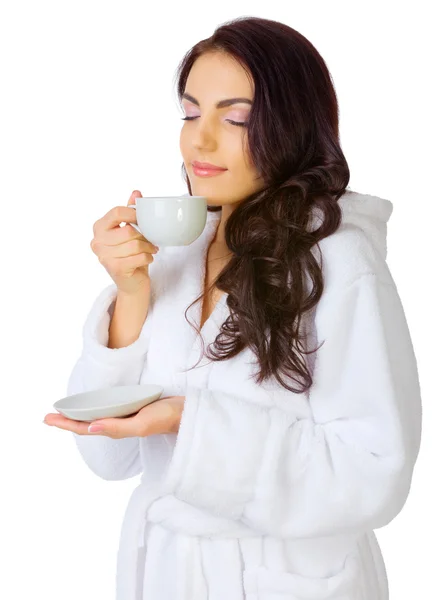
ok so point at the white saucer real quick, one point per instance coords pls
(118, 401)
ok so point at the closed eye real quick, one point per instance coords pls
(239, 124)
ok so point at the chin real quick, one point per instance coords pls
(211, 201)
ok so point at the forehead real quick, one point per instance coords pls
(217, 76)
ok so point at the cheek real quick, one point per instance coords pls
(247, 153)
(239, 155)
(246, 172)
(242, 172)
(182, 143)
(185, 154)
(247, 162)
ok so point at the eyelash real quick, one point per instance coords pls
(229, 120)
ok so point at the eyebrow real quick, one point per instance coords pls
(222, 103)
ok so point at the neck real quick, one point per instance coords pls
(219, 239)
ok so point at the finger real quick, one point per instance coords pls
(119, 235)
(56, 420)
(113, 218)
(122, 235)
(131, 248)
(131, 218)
(135, 194)
(119, 427)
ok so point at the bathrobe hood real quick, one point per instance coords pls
(359, 245)
(369, 213)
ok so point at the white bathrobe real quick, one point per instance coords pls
(264, 494)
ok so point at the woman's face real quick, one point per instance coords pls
(210, 137)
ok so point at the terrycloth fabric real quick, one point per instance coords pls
(264, 494)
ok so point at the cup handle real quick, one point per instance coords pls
(134, 224)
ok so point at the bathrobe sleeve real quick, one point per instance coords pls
(348, 467)
(101, 367)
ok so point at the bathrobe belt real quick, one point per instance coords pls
(148, 504)
(171, 514)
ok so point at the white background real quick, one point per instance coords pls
(88, 113)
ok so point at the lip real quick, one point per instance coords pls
(207, 166)
(208, 172)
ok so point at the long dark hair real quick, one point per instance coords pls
(293, 138)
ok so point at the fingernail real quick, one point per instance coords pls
(95, 428)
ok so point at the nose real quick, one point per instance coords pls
(204, 136)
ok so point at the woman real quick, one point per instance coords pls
(291, 431)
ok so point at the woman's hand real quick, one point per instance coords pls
(161, 416)
(124, 252)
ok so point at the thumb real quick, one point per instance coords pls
(135, 194)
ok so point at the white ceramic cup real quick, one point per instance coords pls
(170, 220)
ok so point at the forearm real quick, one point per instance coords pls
(100, 367)
(130, 313)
